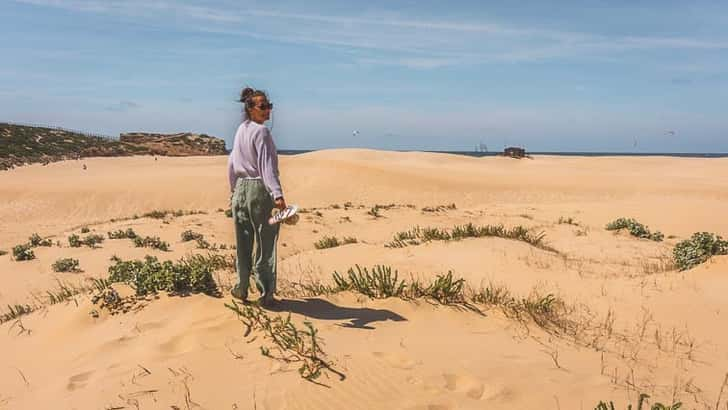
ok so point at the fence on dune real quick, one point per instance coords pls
(57, 128)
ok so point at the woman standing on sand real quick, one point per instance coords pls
(256, 190)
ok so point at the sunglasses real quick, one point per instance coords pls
(268, 106)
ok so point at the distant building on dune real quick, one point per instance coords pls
(514, 152)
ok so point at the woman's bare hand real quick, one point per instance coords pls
(280, 203)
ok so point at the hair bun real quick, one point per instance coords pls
(246, 93)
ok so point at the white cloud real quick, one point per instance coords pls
(417, 43)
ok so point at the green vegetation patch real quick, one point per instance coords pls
(290, 343)
(151, 242)
(190, 235)
(635, 229)
(332, 242)
(439, 208)
(23, 252)
(382, 282)
(148, 276)
(379, 283)
(91, 241)
(21, 144)
(163, 213)
(66, 265)
(419, 235)
(698, 249)
(122, 234)
(548, 311)
(36, 240)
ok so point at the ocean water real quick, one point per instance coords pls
(573, 154)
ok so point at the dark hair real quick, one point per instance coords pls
(246, 97)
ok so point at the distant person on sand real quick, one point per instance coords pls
(256, 190)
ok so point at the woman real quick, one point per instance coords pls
(256, 190)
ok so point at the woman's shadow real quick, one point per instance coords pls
(359, 318)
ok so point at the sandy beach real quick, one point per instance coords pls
(636, 323)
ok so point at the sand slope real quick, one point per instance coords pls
(181, 352)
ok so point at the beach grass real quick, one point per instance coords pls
(332, 242)
(419, 235)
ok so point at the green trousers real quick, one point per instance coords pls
(251, 206)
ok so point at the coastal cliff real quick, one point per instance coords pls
(23, 144)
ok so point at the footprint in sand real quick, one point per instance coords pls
(396, 360)
(78, 381)
(470, 386)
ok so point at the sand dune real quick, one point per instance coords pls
(669, 328)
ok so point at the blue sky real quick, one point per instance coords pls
(552, 76)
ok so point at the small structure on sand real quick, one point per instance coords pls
(514, 152)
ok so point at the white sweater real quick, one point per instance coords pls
(254, 155)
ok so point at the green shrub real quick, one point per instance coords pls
(85, 229)
(635, 229)
(229, 213)
(379, 283)
(74, 241)
(189, 235)
(23, 252)
(188, 275)
(36, 240)
(156, 214)
(91, 240)
(2, 252)
(121, 234)
(66, 265)
(698, 249)
(151, 242)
